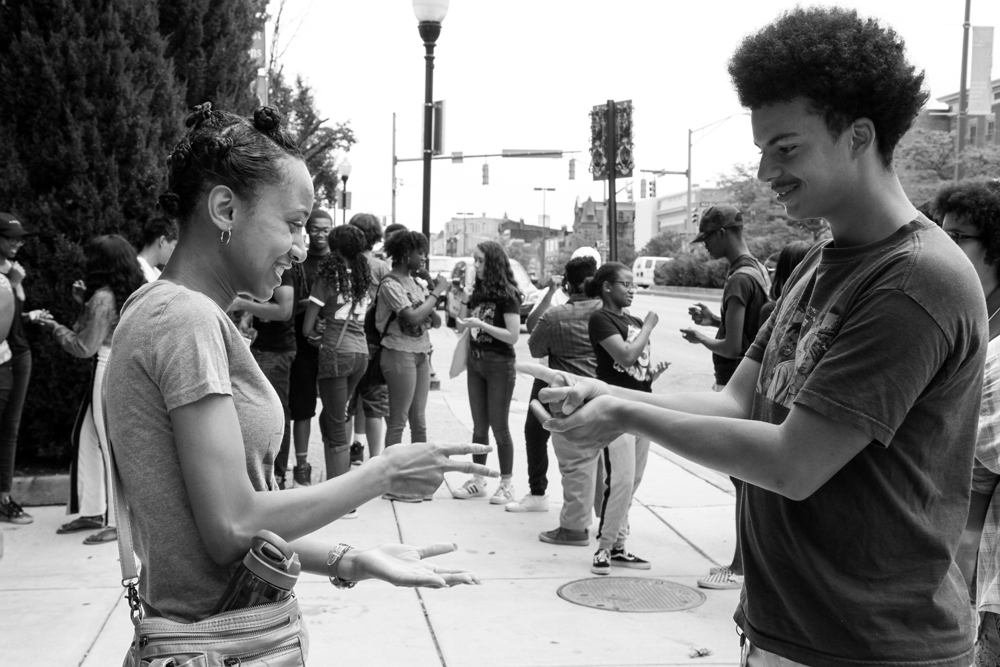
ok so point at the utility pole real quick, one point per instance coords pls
(963, 94)
(393, 167)
(612, 208)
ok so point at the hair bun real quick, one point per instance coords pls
(170, 203)
(199, 114)
(217, 146)
(266, 119)
(181, 156)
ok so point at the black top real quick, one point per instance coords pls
(305, 274)
(604, 324)
(277, 336)
(492, 312)
(745, 283)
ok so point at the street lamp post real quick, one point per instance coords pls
(544, 225)
(690, 133)
(430, 14)
(345, 172)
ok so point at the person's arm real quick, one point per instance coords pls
(228, 511)
(702, 316)
(542, 306)
(99, 314)
(279, 309)
(627, 354)
(416, 315)
(538, 339)
(968, 547)
(310, 319)
(730, 346)
(793, 459)
(435, 319)
(508, 334)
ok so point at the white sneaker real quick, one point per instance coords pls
(503, 495)
(473, 488)
(353, 514)
(722, 580)
(529, 503)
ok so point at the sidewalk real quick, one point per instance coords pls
(63, 602)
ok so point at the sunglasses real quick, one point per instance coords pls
(959, 236)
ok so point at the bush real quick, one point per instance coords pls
(692, 269)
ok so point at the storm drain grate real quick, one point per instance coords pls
(631, 594)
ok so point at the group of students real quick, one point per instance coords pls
(113, 269)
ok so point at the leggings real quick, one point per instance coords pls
(491, 385)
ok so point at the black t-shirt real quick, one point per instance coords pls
(277, 336)
(304, 275)
(492, 312)
(604, 324)
(745, 283)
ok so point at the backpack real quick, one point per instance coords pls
(372, 334)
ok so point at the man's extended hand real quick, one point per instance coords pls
(693, 336)
(701, 315)
(566, 392)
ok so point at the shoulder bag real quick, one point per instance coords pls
(271, 634)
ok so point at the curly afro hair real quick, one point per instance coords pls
(346, 271)
(845, 66)
(399, 245)
(976, 201)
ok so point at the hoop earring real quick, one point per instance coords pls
(226, 235)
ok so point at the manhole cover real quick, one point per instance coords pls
(633, 594)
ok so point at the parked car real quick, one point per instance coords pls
(644, 269)
(441, 265)
(465, 270)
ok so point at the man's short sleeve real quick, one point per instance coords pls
(842, 386)
(740, 287)
(987, 468)
(189, 351)
(318, 293)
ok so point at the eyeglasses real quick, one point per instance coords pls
(959, 236)
(313, 231)
(14, 241)
(627, 286)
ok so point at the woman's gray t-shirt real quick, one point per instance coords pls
(173, 347)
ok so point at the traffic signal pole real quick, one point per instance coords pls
(612, 207)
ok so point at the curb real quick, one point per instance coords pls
(41, 490)
(676, 291)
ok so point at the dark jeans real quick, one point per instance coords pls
(277, 368)
(14, 378)
(536, 443)
(491, 385)
(336, 386)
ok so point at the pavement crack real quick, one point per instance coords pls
(679, 533)
(420, 597)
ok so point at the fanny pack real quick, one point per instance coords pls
(271, 634)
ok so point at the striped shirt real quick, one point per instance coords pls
(985, 475)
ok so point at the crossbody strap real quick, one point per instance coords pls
(392, 315)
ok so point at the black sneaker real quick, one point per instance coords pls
(302, 474)
(602, 562)
(11, 512)
(622, 558)
(357, 454)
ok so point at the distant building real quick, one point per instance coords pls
(981, 129)
(462, 234)
(669, 212)
(590, 224)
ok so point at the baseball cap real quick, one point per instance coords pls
(587, 251)
(11, 226)
(716, 218)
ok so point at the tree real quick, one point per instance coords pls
(664, 244)
(208, 42)
(88, 109)
(319, 142)
(981, 161)
(924, 160)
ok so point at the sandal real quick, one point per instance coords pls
(109, 534)
(81, 523)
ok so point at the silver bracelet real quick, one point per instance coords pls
(332, 561)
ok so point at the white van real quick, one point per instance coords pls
(644, 269)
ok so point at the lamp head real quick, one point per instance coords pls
(344, 169)
(433, 11)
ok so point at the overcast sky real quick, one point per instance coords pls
(525, 74)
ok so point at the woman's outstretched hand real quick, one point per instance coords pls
(404, 565)
(419, 468)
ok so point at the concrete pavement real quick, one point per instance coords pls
(63, 602)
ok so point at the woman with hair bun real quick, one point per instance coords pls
(493, 311)
(340, 296)
(195, 424)
(112, 274)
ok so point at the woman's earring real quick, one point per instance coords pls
(226, 235)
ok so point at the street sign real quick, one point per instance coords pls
(344, 201)
(258, 48)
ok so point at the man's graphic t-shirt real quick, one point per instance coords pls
(888, 338)
(603, 325)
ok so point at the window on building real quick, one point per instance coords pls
(972, 134)
(991, 129)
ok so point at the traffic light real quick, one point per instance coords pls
(572, 169)
(652, 188)
(486, 174)
(642, 189)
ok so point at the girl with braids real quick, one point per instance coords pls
(194, 422)
(112, 274)
(405, 311)
(340, 296)
(492, 311)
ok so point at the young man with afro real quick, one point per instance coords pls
(852, 417)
